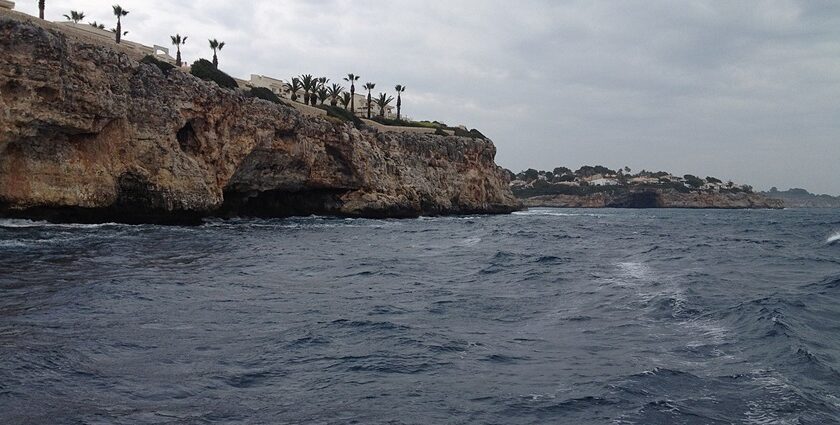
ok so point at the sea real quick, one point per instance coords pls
(547, 316)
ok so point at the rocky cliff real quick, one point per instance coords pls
(89, 134)
(801, 198)
(654, 198)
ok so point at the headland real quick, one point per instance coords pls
(90, 133)
(601, 187)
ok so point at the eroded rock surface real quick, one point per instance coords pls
(89, 134)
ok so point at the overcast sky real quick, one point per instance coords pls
(742, 90)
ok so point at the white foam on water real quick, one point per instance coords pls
(649, 285)
(27, 243)
(312, 222)
(635, 270)
(764, 411)
(833, 239)
(25, 224)
(552, 213)
(14, 243)
(473, 241)
(165, 327)
(709, 332)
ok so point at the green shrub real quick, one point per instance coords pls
(342, 114)
(438, 126)
(530, 175)
(265, 94)
(694, 181)
(460, 132)
(429, 124)
(472, 134)
(587, 171)
(164, 66)
(475, 134)
(401, 123)
(562, 171)
(205, 70)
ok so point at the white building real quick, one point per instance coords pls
(604, 182)
(644, 180)
(278, 87)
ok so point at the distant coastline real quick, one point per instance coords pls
(601, 187)
(801, 198)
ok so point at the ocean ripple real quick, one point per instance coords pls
(544, 316)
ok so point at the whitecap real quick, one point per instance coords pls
(24, 224)
(635, 270)
(833, 239)
(473, 241)
(552, 213)
(14, 243)
(765, 411)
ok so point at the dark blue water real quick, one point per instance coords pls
(551, 316)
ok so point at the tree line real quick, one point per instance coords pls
(315, 89)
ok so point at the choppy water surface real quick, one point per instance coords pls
(549, 316)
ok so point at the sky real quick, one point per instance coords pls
(743, 90)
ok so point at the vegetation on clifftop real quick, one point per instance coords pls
(315, 89)
(164, 66)
(264, 94)
(205, 70)
(342, 115)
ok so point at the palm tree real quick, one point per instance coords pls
(345, 99)
(352, 78)
(321, 90)
(307, 85)
(114, 30)
(178, 41)
(400, 90)
(294, 87)
(369, 87)
(335, 91)
(75, 16)
(97, 25)
(216, 46)
(323, 94)
(383, 101)
(41, 9)
(119, 13)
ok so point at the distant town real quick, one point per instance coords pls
(592, 179)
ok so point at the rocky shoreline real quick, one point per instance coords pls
(89, 134)
(601, 187)
(653, 198)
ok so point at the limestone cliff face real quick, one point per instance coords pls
(657, 199)
(90, 134)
